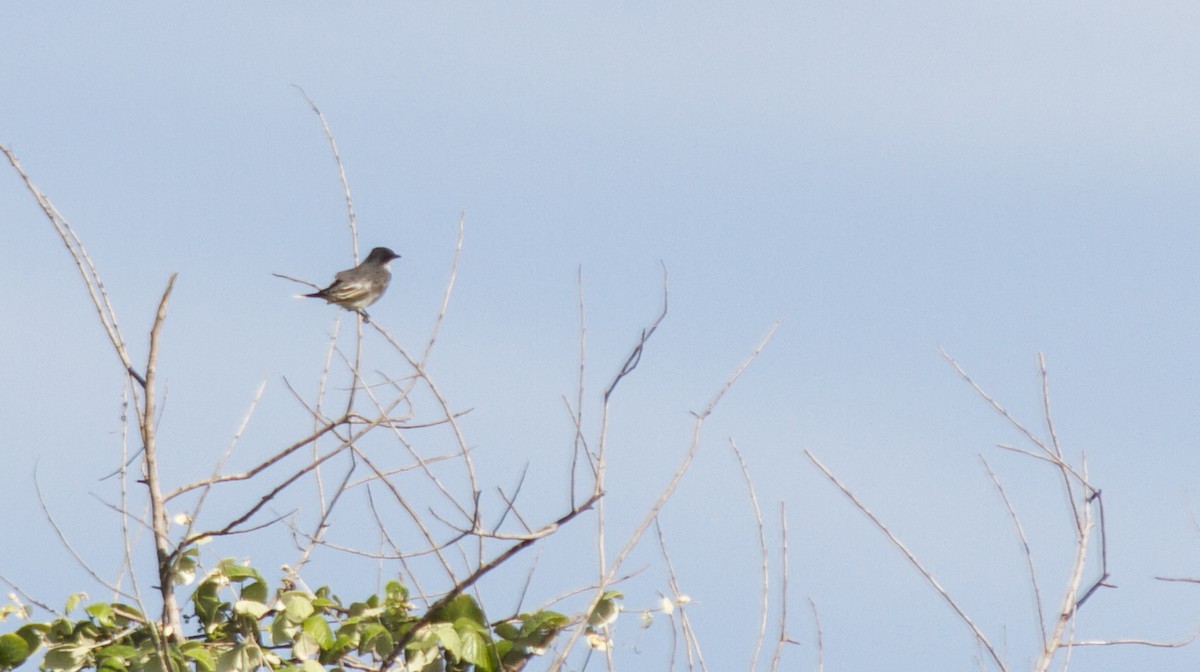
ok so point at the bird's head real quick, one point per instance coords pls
(382, 255)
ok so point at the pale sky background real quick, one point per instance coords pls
(889, 178)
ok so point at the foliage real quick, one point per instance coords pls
(242, 624)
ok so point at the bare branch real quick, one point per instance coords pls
(607, 572)
(87, 270)
(636, 355)
(30, 599)
(580, 443)
(762, 549)
(1136, 642)
(1028, 553)
(475, 576)
(441, 317)
(783, 599)
(323, 524)
(172, 620)
(237, 435)
(912, 559)
(328, 427)
(337, 157)
(1182, 579)
(820, 637)
(691, 643)
(297, 280)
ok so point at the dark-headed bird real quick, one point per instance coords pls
(358, 287)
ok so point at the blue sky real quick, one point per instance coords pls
(887, 179)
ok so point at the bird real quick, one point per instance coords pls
(358, 287)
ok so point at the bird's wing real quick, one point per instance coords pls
(346, 292)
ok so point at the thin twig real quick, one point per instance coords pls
(912, 559)
(441, 316)
(323, 523)
(635, 357)
(762, 548)
(87, 270)
(1026, 550)
(297, 280)
(609, 571)
(820, 637)
(691, 643)
(580, 444)
(337, 157)
(466, 583)
(783, 593)
(254, 471)
(237, 435)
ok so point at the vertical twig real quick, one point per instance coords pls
(1026, 550)
(820, 636)
(783, 599)
(172, 622)
(608, 571)
(337, 157)
(762, 548)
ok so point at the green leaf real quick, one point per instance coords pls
(65, 657)
(102, 612)
(396, 592)
(240, 658)
(208, 603)
(316, 626)
(184, 571)
(32, 634)
(449, 638)
(13, 650)
(313, 666)
(283, 630)
(255, 610)
(475, 650)
(235, 571)
(257, 591)
(305, 647)
(423, 658)
(342, 644)
(324, 602)
(375, 638)
(462, 606)
(111, 665)
(470, 625)
(297, 605)
(508, 630)
(606, 610)
(543, 619)
(362, 613)
(126, 614)
(122, 651)
(199, 653)
(73, 601)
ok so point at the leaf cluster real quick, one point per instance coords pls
(241, 623)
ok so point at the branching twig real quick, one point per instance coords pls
(609, 571)
(466, 583)
(635, 356)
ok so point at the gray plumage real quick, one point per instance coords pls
(359, 287)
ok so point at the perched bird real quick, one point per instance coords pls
(359, 287)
